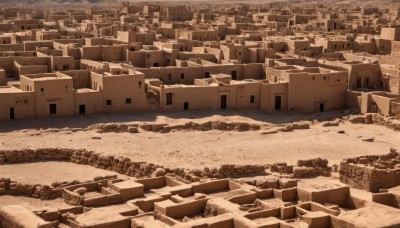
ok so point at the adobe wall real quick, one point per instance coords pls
(61, 63)
(91, 52)
(3, 80)
(32, 45)
(239, 96)
(197, 97)
(353, 99)
(22, 102)
(7, 64)
(59, 92)
(12, 47)
(371, 173)
(190, 55)
(126, 87)
(34, 69)
(254, 71)
(268, 92)
(189, 74)
(307, 91)
(80, 78)
(93, 101)
(112, 53)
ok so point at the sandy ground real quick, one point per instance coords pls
(197, 149)
(49, 172)
(31, 203)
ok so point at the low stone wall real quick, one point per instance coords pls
(14, 156)
(311, 168)
(373, 118)
(371, 173)
(120, 165)
(235, 171)
(305, 168)
(12, 187)
(165, 128)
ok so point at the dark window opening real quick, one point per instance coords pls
(140, 84)
(278, 102)
(207, 74)
(108, 102)
(12, 113)
(155, 64)
(82, 109)
(169, 99)
(128, 101)
(182, 76)
(186, 106)
(169, 77)
(252, 99)
(234, 75)
(53, 108)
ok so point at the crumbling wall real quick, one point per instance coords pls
(305, 168)
(378, 119)
(371, 173)
(124, 165)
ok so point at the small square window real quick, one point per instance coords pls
(108, 102)
(128, 101)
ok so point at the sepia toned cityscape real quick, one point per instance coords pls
(200, 114)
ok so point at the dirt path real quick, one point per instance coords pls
(197, 149)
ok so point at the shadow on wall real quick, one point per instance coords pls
(88, 120)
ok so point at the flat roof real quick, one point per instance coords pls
(10, 89)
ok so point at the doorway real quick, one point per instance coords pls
(186, 106)
(53, 109)
(12, 113)
(278, 103)
(358, 83)
(82, 109)
(224, 99)
(321, 107)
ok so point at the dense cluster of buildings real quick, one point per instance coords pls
(154, 57)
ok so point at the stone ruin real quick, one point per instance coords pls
(191, 126)
(156, 196)
(305, 168)
(165, 201)
(373, 118)
(371, 173)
